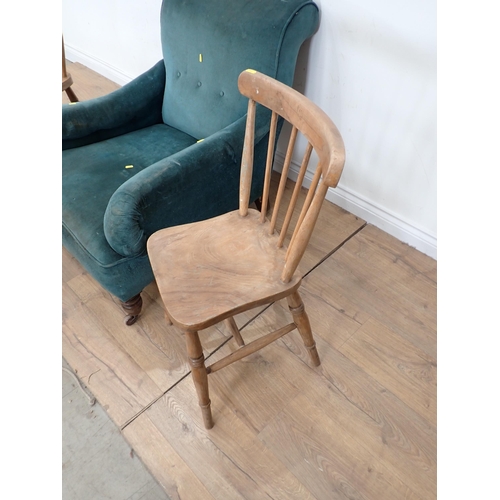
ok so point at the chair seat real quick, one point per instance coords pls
(210, 270)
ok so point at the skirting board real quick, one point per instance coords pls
(370, 212)
(101, 67)
(343, 197)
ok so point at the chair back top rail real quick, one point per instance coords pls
(302, 113)
(322, 135)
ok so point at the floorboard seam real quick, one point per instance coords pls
(338, 247)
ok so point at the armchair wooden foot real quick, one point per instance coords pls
(133, 308)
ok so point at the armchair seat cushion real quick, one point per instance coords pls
(92, 173)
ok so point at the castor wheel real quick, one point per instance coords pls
(133, 308)
(130, 320)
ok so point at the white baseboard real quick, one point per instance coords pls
(95, 64)
(371, 212)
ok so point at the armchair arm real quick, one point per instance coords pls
(136, 105)
(185, 187)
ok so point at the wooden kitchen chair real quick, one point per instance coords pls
(209, 271)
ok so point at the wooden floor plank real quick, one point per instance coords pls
(70, 266)
(372, 245)
(230, 461)
(353, 284)
(398, 365)
(392, 430)
(119, 384)
(401, 253)
(168, 468)
(326, 459)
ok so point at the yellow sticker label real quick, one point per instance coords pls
(251, 71)
(129, 166)
(201, 58)
(200, 140)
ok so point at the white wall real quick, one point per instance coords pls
(120, 39)
(371, 66)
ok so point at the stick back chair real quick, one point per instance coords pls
(209, 271)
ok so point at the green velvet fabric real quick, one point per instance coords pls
(153, 123)
(226, 37)
(132, 107)
(84, 209)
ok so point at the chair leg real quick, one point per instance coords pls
(301, 319)
(133, 308)
(167, 319)
(71, 95)
(233, 328)
(200, 377)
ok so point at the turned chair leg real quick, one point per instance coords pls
(200, 376)
(133, 308)
(71, 95)
(300, 318)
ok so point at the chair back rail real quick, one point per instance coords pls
(323, 137)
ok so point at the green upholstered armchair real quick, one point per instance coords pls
(165, 149)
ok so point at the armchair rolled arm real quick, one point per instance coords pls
(180, 189)
(136, 105)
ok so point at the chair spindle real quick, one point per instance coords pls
(269, 165)
(247, 160)
(302, 236)
(305, 207)
(295, 195)
(284, 176)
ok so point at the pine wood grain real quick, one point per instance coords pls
(168, 468)
(230, 461)
(399, 436)
(328, 461)
(398, 365)
(354, 284)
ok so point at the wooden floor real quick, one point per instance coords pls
(360, 426)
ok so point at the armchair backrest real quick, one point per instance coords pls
(208, 43)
